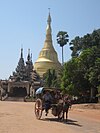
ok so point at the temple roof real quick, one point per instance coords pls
(25, 72)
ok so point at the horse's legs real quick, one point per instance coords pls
(66, 114)
(63, 115)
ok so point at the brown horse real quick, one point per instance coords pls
(66, 106)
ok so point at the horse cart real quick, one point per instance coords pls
(56, 108)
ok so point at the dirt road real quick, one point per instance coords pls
(18, 117)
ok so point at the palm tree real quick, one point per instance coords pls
(62, 39)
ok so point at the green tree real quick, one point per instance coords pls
(80, 76)
(47, 77)
(89, 62)
(62, 39)
(70, 77)
(87, 49)
(79, 44)
(50, 78)
(75, 46)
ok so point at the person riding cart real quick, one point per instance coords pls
(47, 100)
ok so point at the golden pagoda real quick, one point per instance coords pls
(48, 58)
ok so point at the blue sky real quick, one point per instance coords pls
(23, 24)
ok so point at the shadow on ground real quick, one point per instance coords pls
(69, 121)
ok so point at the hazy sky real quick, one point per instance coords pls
(23, 24)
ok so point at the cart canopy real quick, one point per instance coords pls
(39, 90)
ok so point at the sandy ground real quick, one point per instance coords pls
(19, 117)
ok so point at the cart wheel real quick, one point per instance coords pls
(38, 108)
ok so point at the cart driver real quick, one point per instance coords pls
(47, 98)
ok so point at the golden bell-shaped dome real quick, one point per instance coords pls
(48, 58)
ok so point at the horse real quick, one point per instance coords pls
(66, 106)
(61, 108)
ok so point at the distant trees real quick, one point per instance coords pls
(62, 39)
(81, 75)
(79, 44)
(50, 78)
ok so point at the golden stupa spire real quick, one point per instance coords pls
(48, 40)
(48, 56)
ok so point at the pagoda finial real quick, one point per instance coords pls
(21, 52)
(49, 17)
(28, 57)
(49, 10)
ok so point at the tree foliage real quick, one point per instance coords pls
(82, 43)
(50, 78)
(81, 75)
(62, 39)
